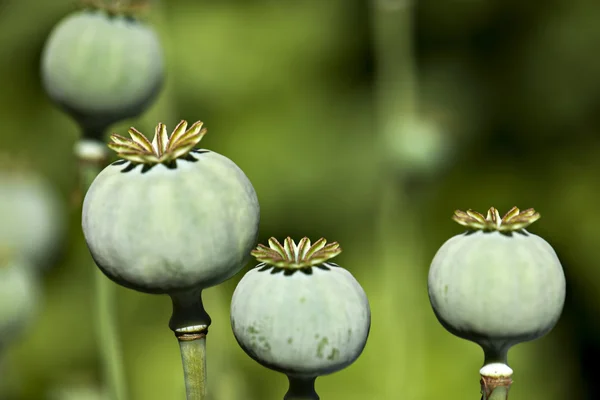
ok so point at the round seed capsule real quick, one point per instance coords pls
(297, 313)
(102, 68)
(497, 284)
(166, 218)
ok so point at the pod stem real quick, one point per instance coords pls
(496, 379)
(193, 357)
(495, 387)
(93, 157)
(190, 323)
(301, 389)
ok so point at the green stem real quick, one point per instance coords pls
(396, 81)
(3, 373)
(193, 357)
(496, 375)
(499, 393)
(93, 158)
(396, 103)
(301, 389)
(190, 323)
(495, 355)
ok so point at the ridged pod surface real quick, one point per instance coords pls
(304, 322)
(165, 228)
(102, 68)
(497, 287)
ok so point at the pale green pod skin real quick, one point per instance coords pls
(165, 229)
(300, 324)
(32, 218)
(497, 289)
(77, 392)
(101, 68)
(19, 297)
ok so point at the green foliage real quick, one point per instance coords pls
(287, 91)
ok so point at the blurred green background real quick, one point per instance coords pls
(509, 99)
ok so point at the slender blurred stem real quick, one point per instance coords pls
(301, 389)
(396, 83)
(500, 393)
(3, 370)
(93, 158)
(193, 357)
(398, 239)
(396, 100)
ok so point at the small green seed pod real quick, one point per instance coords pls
(497, 284)
(19, 295)
(300, 315)
(32, 217)
(102, 67)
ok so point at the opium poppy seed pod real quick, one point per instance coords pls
(169, 219)
(497, 285)
(19, 295)
(32, 217)
(300, 314)
(102, 65)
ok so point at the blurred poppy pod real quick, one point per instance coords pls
(19, 294)
(32, 217)
(102, 66)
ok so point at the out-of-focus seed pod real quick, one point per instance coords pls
(77, 392)
(19, 294)
(418, 147)
(33, 218)
(102, 67)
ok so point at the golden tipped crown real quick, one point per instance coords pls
(163, 148)
(296, 256)
(513, 220)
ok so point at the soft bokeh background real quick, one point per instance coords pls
(510, 96)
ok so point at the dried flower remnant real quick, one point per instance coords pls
(163, 148)
(292, 255)
(513, 220)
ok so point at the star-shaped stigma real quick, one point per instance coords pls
(162, 149)
(296, 256)
(513, 220)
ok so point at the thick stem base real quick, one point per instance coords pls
(190, 323)
(188, 312)
(301, 389)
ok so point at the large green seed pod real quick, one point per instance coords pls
(19, 294)
(32, 217)
(102, 67)
(298, 314)
(168, 218)
(497, 284)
